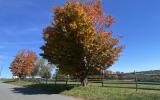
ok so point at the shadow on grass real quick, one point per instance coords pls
(8, 81)
(42, 89)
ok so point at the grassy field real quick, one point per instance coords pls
(95, 91)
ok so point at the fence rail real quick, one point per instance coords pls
(133, 81)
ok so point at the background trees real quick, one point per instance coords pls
(78, 42)
(39, 63)
(42, 69)
(23, 63)
(45, 72)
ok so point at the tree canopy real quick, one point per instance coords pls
(23, 63)
(78, 40)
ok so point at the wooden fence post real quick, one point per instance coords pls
(102, 82)
(102, 78)
(55, 81)
(67, 79)
(39, 80)
(136, 80)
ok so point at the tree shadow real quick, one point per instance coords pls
(10, 81)
(42, 89)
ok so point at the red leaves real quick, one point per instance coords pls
(23, 63)
(109, 20)
(105, 34)
(48, 31)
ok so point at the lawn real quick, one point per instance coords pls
(94, 91)
(101, 93)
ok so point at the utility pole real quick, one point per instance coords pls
(1, 70)
(136, 80)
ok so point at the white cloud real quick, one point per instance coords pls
(18, 31)
(20, 34)
(21, 43)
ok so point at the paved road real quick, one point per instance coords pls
(11, 92)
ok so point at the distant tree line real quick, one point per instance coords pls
(152, 76)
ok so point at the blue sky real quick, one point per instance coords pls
(138, 21)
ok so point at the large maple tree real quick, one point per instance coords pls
(78, 40)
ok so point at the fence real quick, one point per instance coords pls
(121, 80)
(133, 80)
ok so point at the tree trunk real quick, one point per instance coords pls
(32, 77)
(84, 81)
(46, 80)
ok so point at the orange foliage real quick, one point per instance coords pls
(78, 40)
(23, 63)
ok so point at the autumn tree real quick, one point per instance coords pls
(79, 41)
(23, 63)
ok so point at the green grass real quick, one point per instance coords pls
(103, 93)
(94, 91)
(133, 86)
(18, 82)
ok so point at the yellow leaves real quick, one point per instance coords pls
(79, 31)
(55, 22)
(90, 30)
(46, 36)
(76, 4)
(105, 35)
(48, 31)
(64, 29)
(73, 25)
(59, 10)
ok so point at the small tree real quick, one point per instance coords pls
(23, 63)
(78, 40)
(45, 72)
(39, 63)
